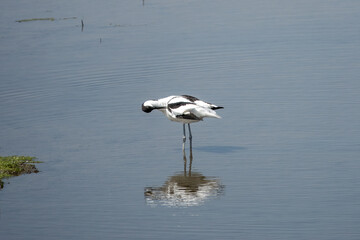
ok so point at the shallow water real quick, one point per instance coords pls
(282, 163)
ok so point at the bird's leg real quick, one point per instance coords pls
(190, 138)
(184, 137)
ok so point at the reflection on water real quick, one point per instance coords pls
(184, 189)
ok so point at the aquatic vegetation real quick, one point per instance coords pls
(43, 19)
(16, 165)
(35, 19)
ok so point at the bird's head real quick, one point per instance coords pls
(147, 106)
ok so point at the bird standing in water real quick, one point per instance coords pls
(185, 109)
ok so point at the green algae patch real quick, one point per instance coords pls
(35, 19)
(11, 166)
(44, 19)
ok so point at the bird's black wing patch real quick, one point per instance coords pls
(190, 98)
(214, 108)
(189, 116)
(177, 105)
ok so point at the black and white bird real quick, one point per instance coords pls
(185, 109)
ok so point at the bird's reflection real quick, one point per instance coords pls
(184, 189)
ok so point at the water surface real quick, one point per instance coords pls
(282, 163)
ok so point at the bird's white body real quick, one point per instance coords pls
(184, 109)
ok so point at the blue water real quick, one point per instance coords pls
(282, 163)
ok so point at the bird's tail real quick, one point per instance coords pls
(205, 112)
